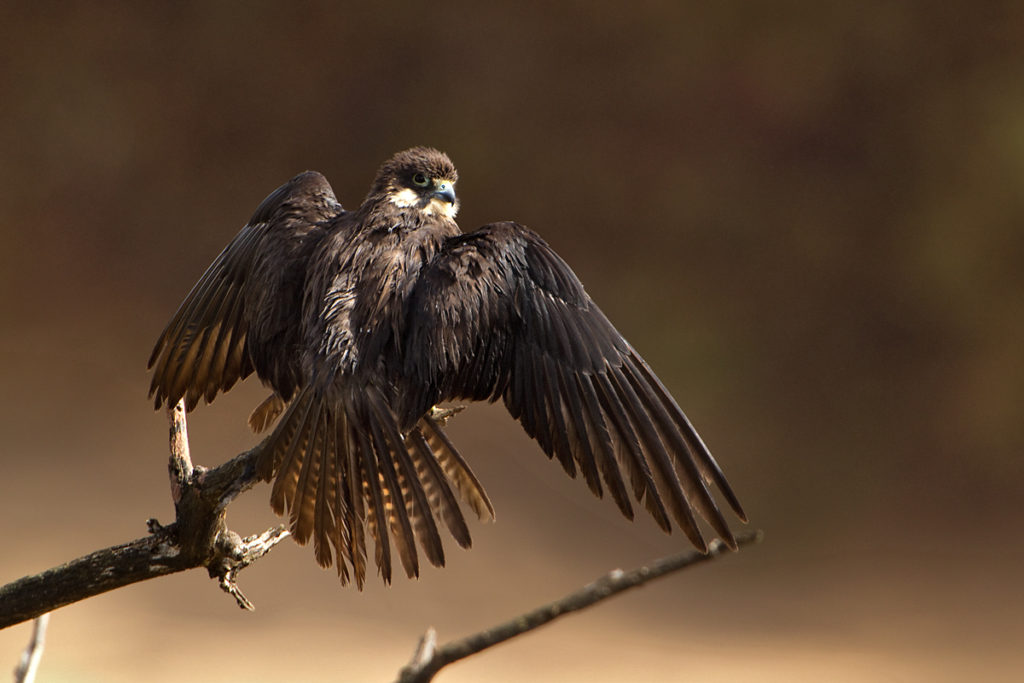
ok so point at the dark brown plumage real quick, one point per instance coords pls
(362, 321)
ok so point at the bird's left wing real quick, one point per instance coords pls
(498, 314)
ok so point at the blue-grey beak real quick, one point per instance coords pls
(445, 190)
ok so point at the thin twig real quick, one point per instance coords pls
(29, 663)
(179, 467)
(425, 649)
(427, 661)
(247, 551)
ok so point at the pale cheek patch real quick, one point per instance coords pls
(404, 198)
(436, 206)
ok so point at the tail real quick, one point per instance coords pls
(343, 470)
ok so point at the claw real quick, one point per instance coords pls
(442, 415)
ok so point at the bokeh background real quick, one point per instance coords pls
(806, 215)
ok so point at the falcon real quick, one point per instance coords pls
(362, 322)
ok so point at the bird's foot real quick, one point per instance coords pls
(442, 415)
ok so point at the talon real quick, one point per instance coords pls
(442, 415)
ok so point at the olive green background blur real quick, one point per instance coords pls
(806, 215)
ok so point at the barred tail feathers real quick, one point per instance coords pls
(343, 471)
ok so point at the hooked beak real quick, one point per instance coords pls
(445, 191)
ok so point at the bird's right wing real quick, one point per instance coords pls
(203, 351)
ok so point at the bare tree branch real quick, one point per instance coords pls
(429, 659)
(25, 672)
(199, 537)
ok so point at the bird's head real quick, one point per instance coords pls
(421, 178)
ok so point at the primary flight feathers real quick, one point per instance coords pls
(362, 321)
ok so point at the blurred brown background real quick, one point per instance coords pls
(807, 216)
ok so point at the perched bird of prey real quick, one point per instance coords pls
(362, 322)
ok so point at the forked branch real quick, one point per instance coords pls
(198, 537)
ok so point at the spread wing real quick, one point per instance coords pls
(498, 314)
(251, 289)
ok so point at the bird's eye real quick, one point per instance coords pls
(420, 179)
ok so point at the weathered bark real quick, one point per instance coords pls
(199, 537)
